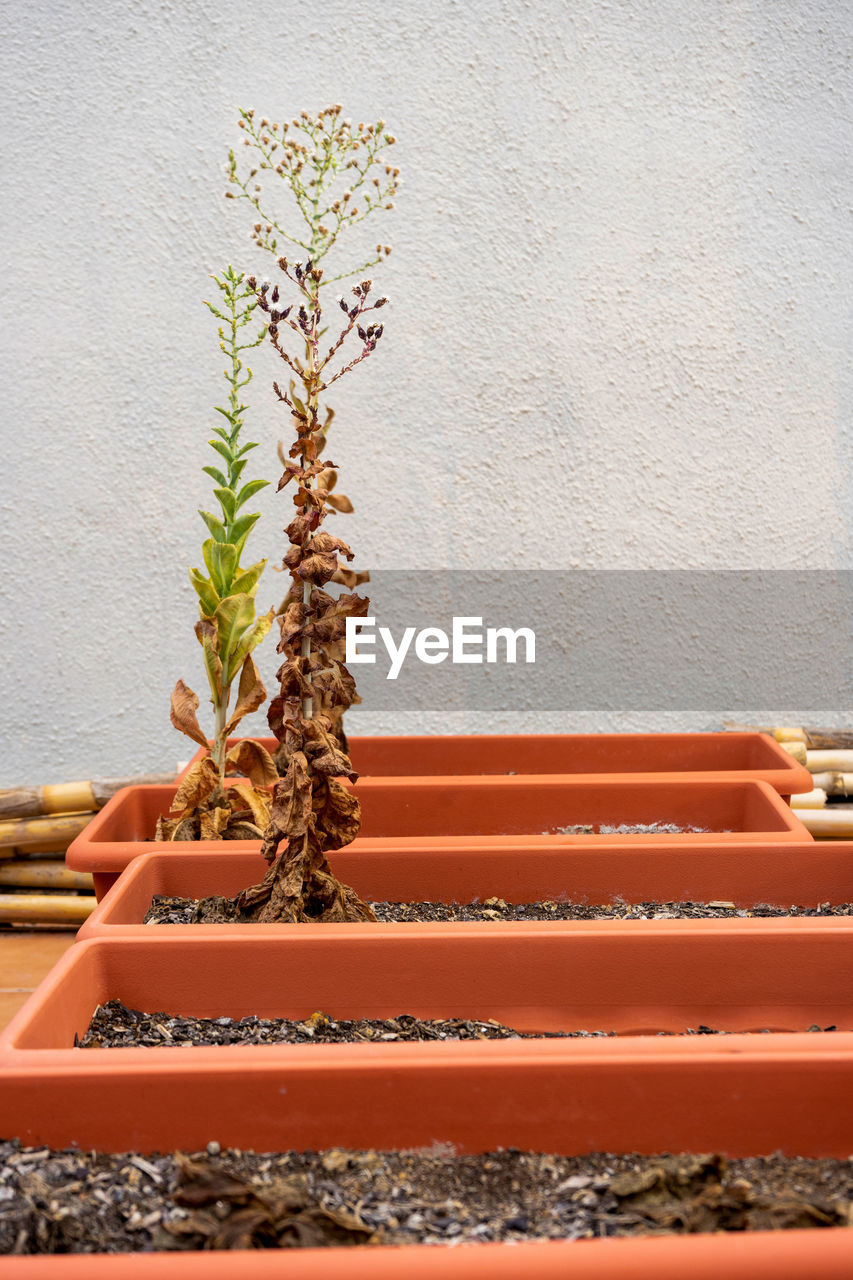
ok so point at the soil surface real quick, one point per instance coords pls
(628, 829)
(82, 1202)
(217, 910)
(115, 1026)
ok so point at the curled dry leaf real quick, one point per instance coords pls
(199, 784)
(214, 822)
(324, 751)
(242, 798)
(183, 713)
(350, 577)
(251, 694)
(223, 1211)
(339, 502)
(249, 757)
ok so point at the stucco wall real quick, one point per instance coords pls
(619, 334)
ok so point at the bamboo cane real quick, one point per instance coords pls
(834, 783)
(795, 749)
(818, 739)
(788, 734)
(45, 908)
(829, 823)
(70, 797)
(819, 761)
(43, 833)
(815, 799)
(828, 739)
(42, 874)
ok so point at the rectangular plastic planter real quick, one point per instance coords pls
(783, 874)
(670, 976)
(727, 757)
(741, 1095)
(415, 815)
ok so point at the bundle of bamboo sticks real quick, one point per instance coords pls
(827, 811)
(37, 824)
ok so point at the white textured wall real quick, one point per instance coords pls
(619, 335)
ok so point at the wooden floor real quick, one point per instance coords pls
(25, 958)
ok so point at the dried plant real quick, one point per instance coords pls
(337, 176)
(312, 811)
(227, 630)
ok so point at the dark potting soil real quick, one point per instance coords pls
(217, 910)
(83, 1202)
(115, 1026)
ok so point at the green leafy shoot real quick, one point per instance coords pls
(228, 629)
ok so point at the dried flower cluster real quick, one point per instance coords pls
(227, 629)
(338, 175)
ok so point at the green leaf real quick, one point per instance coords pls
(216, 527)
(233, 617)
(237, 470)
(227, 502)
(252, 639)
(222, 559)
(240, 530)
(216, 475)
(247, 581)
(206, 592)
(245, 449)
(226, 413)
(248, 491)
(223, 449)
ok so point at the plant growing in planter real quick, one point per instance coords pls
(337, 177)
(228, 629)
(312, 812)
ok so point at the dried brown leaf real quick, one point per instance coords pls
(250, 694)
(291, 623)
(213, 822)
(350, 578)
(249, 757)
(330, 614)
(200, 782)
(338, 815)
(257, 802)
(324, 752)
(183, 713)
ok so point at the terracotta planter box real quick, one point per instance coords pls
(742, 1095)
(784, 874)
(414, 815)
(728, 757)
(667, 977)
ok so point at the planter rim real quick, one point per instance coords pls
(758, 1255)
(791, 864)
(92, 851)
(784, 773)
(301, 948)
